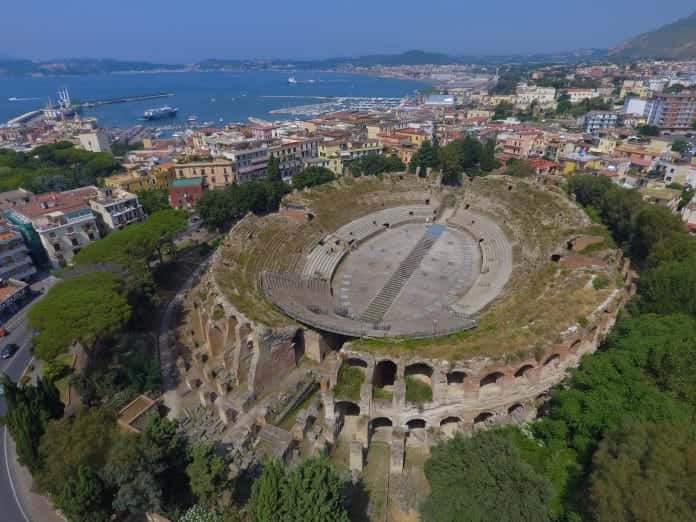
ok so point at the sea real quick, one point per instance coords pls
(219, 97)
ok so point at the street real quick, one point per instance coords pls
(13, 509)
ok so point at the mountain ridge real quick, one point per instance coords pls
(676, 40)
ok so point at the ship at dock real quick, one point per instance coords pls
(160, 113)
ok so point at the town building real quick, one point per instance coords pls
(293, 154)
(63, 221)
(12, 198)
(185, 192)
(215, 174)
(159, 177)
(13, 293)
(672, 112)
(596, 121)
(95, 141)
(115, 209)
(544, 97)
(15, 262)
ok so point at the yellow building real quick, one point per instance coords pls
(636, 87)
(158, 178)
(579, 163)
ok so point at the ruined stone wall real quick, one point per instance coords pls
(467, 395)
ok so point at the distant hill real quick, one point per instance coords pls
(674, 41)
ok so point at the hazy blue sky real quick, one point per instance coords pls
(176, 30)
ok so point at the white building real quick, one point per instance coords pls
(116, 208)
(545, 97)
(635, 106)
(15, 262)
(95, 141)
(63, 221)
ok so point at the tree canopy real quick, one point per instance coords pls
(58, 166)
(483, 478)
(374, 164)
(311, 177)
(153, 200)
(29, 410)
(644, 472)
(312, 492)
(85, 308)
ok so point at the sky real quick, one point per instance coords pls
(185, 31)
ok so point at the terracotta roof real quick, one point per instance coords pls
(57, 202)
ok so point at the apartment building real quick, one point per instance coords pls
(596, 121)
(293, 153)
(672, 112)
(215, 174)
(115, 209)
(577, 95)
(15, 262)
(545, 97)
(185, 192)
(63, 222)
(159, 177)
(95, 141)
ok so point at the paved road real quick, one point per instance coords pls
(13, 496)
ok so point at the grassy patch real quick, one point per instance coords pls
(380, 394)
(600, 282)
(418, 391)
(350, 380)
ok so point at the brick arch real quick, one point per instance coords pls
(553, 360)
(385, 373)
(381, 423)
(456, 377)
(416, 423)
(450, 419)
(347, 408)
(524, 371)
(357, 362)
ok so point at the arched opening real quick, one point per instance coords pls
(419, 383)
(416, 424)
(347, 409)
(354, 362)
(456, 378)
(492, 379)
(491, 384)
(524, 372)
(381, 429)
(380, 423)
(483, 420)
(298, 345)
(556, 257)
(574, 347)
(420, 371)
(450, 425)
(554, 360)
(516, 413)
(385, 374)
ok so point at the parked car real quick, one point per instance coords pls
(8, 351)
(3, 332)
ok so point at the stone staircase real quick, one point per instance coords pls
(381, 303)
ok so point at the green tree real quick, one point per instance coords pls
(200, 513)
(519, 168)
(85, 497)
(153, 200)
(87, 308)
(266, 502)
(648, 130)
(273, 174)
(311, 177)
(207, 473)
(645, 472)
(451, 171)
(485, 478)
(72, 443)
(669, 287)
(313, 492)
(29, 411)
(680, 146)
(503, 111)
(652, 224)
(488, 161)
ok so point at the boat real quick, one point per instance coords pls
(192, 119)
(292, 79)
(161, 112)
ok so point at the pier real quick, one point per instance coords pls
(124, 99)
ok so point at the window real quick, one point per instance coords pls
(90, 236)
(56, 246)
(74, 241)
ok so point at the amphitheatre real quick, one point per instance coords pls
(421, 310)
